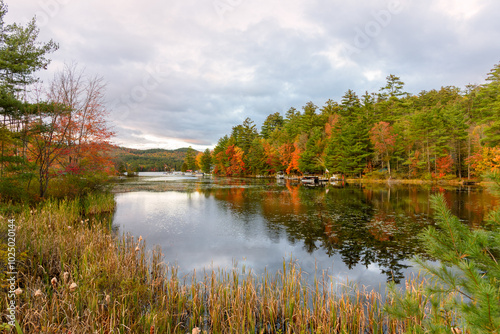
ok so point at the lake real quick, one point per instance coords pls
(365, 234)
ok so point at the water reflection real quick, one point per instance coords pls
(366, 233)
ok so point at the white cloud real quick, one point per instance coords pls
(372, 75)
(181, 73)
(459, 9)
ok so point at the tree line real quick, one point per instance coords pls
(445, 133)
(154, 160)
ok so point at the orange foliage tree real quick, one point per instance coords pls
(272, 161)
(87, 132)
(486, 159)
(295, 158)
(285, 152)
(330, 125)
(236, 164)
(70, 135)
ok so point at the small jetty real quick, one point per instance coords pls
(313, 181)
(336, 180)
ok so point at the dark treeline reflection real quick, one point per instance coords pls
(362, 224)
(376, 224)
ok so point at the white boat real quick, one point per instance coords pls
(310, 180)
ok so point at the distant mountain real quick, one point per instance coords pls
(156, 159)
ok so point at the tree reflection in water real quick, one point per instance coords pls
(376, 225)
(372, 225)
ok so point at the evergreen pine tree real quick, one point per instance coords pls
(467, 266)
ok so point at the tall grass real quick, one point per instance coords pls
(77, 277)
(96, 203)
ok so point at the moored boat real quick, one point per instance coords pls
(310, 180)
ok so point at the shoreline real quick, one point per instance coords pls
(423, 182)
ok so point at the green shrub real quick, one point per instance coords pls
(73, 186)
(377, 175)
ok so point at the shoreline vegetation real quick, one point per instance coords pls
(77, 276)
(453, 182)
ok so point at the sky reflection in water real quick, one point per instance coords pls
(363, 234)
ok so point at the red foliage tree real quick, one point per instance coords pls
(236, 164)
(444, 165)
(70, 134)
(383, 139)
(87, 133)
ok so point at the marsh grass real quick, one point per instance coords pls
(98, 203)
(121, 288)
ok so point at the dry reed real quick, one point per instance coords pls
(77, 277)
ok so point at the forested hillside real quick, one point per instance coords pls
(127, 159)
(446, 133)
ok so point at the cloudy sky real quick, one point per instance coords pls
(183, 72)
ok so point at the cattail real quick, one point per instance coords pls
(140, 238)
(66, 277)
(73, 287)
(53, 281)
(18, 291)
(137, 249)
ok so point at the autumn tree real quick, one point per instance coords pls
(70, 135)
(383, 139)
(293, 166)
(87, 131)
(236, 164)
(48, 135)
(412, 135)
(220, 158)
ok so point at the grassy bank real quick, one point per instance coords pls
(77, 277)
(450, 182)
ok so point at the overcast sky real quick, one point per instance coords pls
(183, 73)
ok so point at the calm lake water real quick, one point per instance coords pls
(365, 234)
